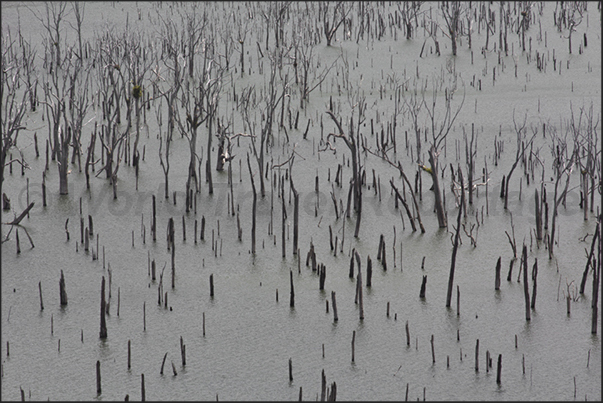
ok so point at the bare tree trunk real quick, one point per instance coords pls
(456, 241)
(439, 207)
(63, 160)
(253, 208)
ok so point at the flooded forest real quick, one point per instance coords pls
(310, 200)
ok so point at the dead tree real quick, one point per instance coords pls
(51, 18)
(170, 95)
(563, 166)
(138, 61)
(271, 99)
(195, 27)
(412, 109)
(585, 137)
(351, 142)
(78, 9)
(439, 131)
(452, 13)
(13, 106)
(409, 11)
(470, 153)
(27, 63)
(164, 151)
(574, 11)
(310, 78)
(332, 22)
(16, 223)
(522, 145)
(243, 28)
(55, 104)
(77, 105)
(200, 104)
(113, 87)
(275, 17)
(63, 159)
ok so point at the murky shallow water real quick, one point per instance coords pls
(249, 336)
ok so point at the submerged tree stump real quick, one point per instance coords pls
(499, 369)
(497, 275)
(423, 284)
(41, 302)
(98, 378)
(63, 293)
(333, 300)
(292, 297)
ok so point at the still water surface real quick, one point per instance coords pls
(249, 335)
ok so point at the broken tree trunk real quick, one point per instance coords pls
(63, 293)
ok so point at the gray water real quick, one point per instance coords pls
(249, 335)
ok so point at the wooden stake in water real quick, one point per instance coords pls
(458, 301)
(98, 378)
(211, 285)
(103, 324)
(63, 293)
(292, 297)
(41, 302)
(499, 369)
(497, 274)
(534, 275)
(183, 351)
(335, 318)
(163, 363)
(477, 355)
(423, 284)
(526, 291)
